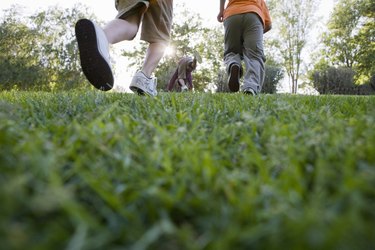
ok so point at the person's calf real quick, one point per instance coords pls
(154, 54)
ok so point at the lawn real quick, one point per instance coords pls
(94, 170)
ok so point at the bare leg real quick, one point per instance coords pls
(119, 30)
(154, 54)
(183, 85)
(181, 82)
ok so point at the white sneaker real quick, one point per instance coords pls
(94, 54)
(142, 84)
(249, 91)
(184, 88)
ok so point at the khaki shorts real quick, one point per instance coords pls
(156, 17)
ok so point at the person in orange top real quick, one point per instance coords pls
(245, 22)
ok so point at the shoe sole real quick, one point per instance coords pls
(249, 92)
(94, 66)
(234, 82)
(137, 90)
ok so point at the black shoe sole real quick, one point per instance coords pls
(234, 78)
(94, 66)
(137, 90)
(247, 92)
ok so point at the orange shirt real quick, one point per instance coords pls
(259, 7)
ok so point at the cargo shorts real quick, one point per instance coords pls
(156, 17)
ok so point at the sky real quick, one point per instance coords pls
(208, 9)
(105, 11)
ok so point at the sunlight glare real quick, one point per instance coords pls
(169, 51)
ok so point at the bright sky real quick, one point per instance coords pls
(105, 10)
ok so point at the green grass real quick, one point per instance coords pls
(93, 170)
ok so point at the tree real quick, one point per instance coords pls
(18, 63)
(40, 51)
(350, 40)
(366, 40)
(58, 45)
(294, 19)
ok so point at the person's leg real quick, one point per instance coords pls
(233, 51)
(93, 41)
(156, 29)
(119, 30)
(156, 26)
(182, 84)
(142, 82)
(253, 53)
(233, 40)
(172, 81)
(234, 69)
(94, 54)
(126, 24)
(153, 56)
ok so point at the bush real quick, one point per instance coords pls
(333, 80)
(372, 82)
(273, 76)
(222, 81)
(341, 81)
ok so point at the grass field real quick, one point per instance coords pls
(93, 170)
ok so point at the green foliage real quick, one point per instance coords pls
(273, 75)
(58, 44)
(211, 49)
(18, 60)
(94, 170)
(293, 19)
(340, 80)
(222, 81)
(366, 41)
(39, 51)
(350, 40)
(339, 42)
(326, 81)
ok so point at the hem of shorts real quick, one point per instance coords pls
(128, 11)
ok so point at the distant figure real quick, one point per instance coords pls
(153, 18)
(183, 76)
(245, 21)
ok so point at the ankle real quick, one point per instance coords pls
(145, 74)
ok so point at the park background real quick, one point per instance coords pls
(314, 46)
